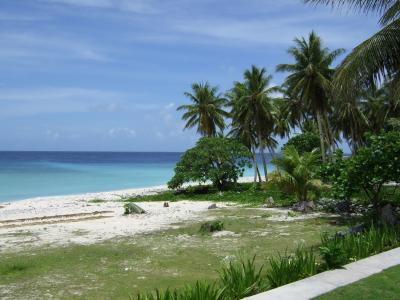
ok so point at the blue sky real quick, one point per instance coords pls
(108, 75)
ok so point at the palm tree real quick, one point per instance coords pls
(206, 112)
(309, 80)
(376, 58)
(255, 108)
(296, 172)
(283, 121)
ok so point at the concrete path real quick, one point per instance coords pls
(327, 281)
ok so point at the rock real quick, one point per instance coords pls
(388, 215)
(212, 206)
(166, 204)
(132, 208)
(270, 202)
(352, 230)
(304, 206)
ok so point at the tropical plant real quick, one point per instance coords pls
(296, 172)
(252, 109)
(220, 160)
(338, 250)
(304, 142)
(242, 279)
(207, 110)
(309, 81)
(288, 268)
(376, 58)
(374, 165)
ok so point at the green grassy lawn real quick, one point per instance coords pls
(385, 285)
(167, 258)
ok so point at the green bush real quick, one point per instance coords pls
(338, 250)
(304, 142)
(242, 279)
(288, 268)
(369, 169)
(219, 160)
(212, 226)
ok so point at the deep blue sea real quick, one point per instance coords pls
(35, 174)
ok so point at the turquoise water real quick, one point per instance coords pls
(36, 174)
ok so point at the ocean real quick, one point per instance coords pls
(37, 174)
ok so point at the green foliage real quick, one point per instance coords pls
(212, 226)
(206, 111)
(304, 142)
(199, 291)
(369, 169)
(242, 279)
(296, 172)
(339, 250)
(15, 267)
(220, 160)
(132, 208)
(288, 268)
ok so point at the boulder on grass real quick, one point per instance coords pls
(304, 206)
(212, 206)
(269, 202)
(132, 208)
(212, 226)
(388, 215)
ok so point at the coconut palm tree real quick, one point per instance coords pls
(378, 57)
(255, 107)
(206, 111)
(296, 172)
(309, 80)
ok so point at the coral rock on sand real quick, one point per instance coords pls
(212, 206)
(166, 204)
(132, 208)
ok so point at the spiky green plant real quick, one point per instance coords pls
(295, 172)
(242, 279)
(287, 268)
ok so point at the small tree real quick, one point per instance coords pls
(220, 160)
(370, 168)
(304, 142)
(296, 172)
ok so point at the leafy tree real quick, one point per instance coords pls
(296, 172)
(309, 81)
(369, 169)
(304, 142)
(207, 111)
(252, 108)
(377, 57)
(220, 160)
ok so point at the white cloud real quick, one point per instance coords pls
(122, 132)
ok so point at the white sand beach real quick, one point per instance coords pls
(78, 219)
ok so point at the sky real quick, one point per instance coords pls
(108, 75)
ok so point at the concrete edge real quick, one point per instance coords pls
(330, 280)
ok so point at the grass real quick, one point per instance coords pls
(241, 193)
(384, 285)
(168, 258)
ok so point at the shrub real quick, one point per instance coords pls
(289, 268)
(212, 226)
(202, 291)
(369, 169)
(157, 295)
(242, 279)
(304, 142)
(220, 160)
(296, 172)
(338, 250)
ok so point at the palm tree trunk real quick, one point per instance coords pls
(264, 162)
(329, 137)
(256, 169)
(321, 135)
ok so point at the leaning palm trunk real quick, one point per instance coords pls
(256, 169)
(329, 138)
(264, 162)
(321, 135)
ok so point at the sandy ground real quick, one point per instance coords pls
(62, 220)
